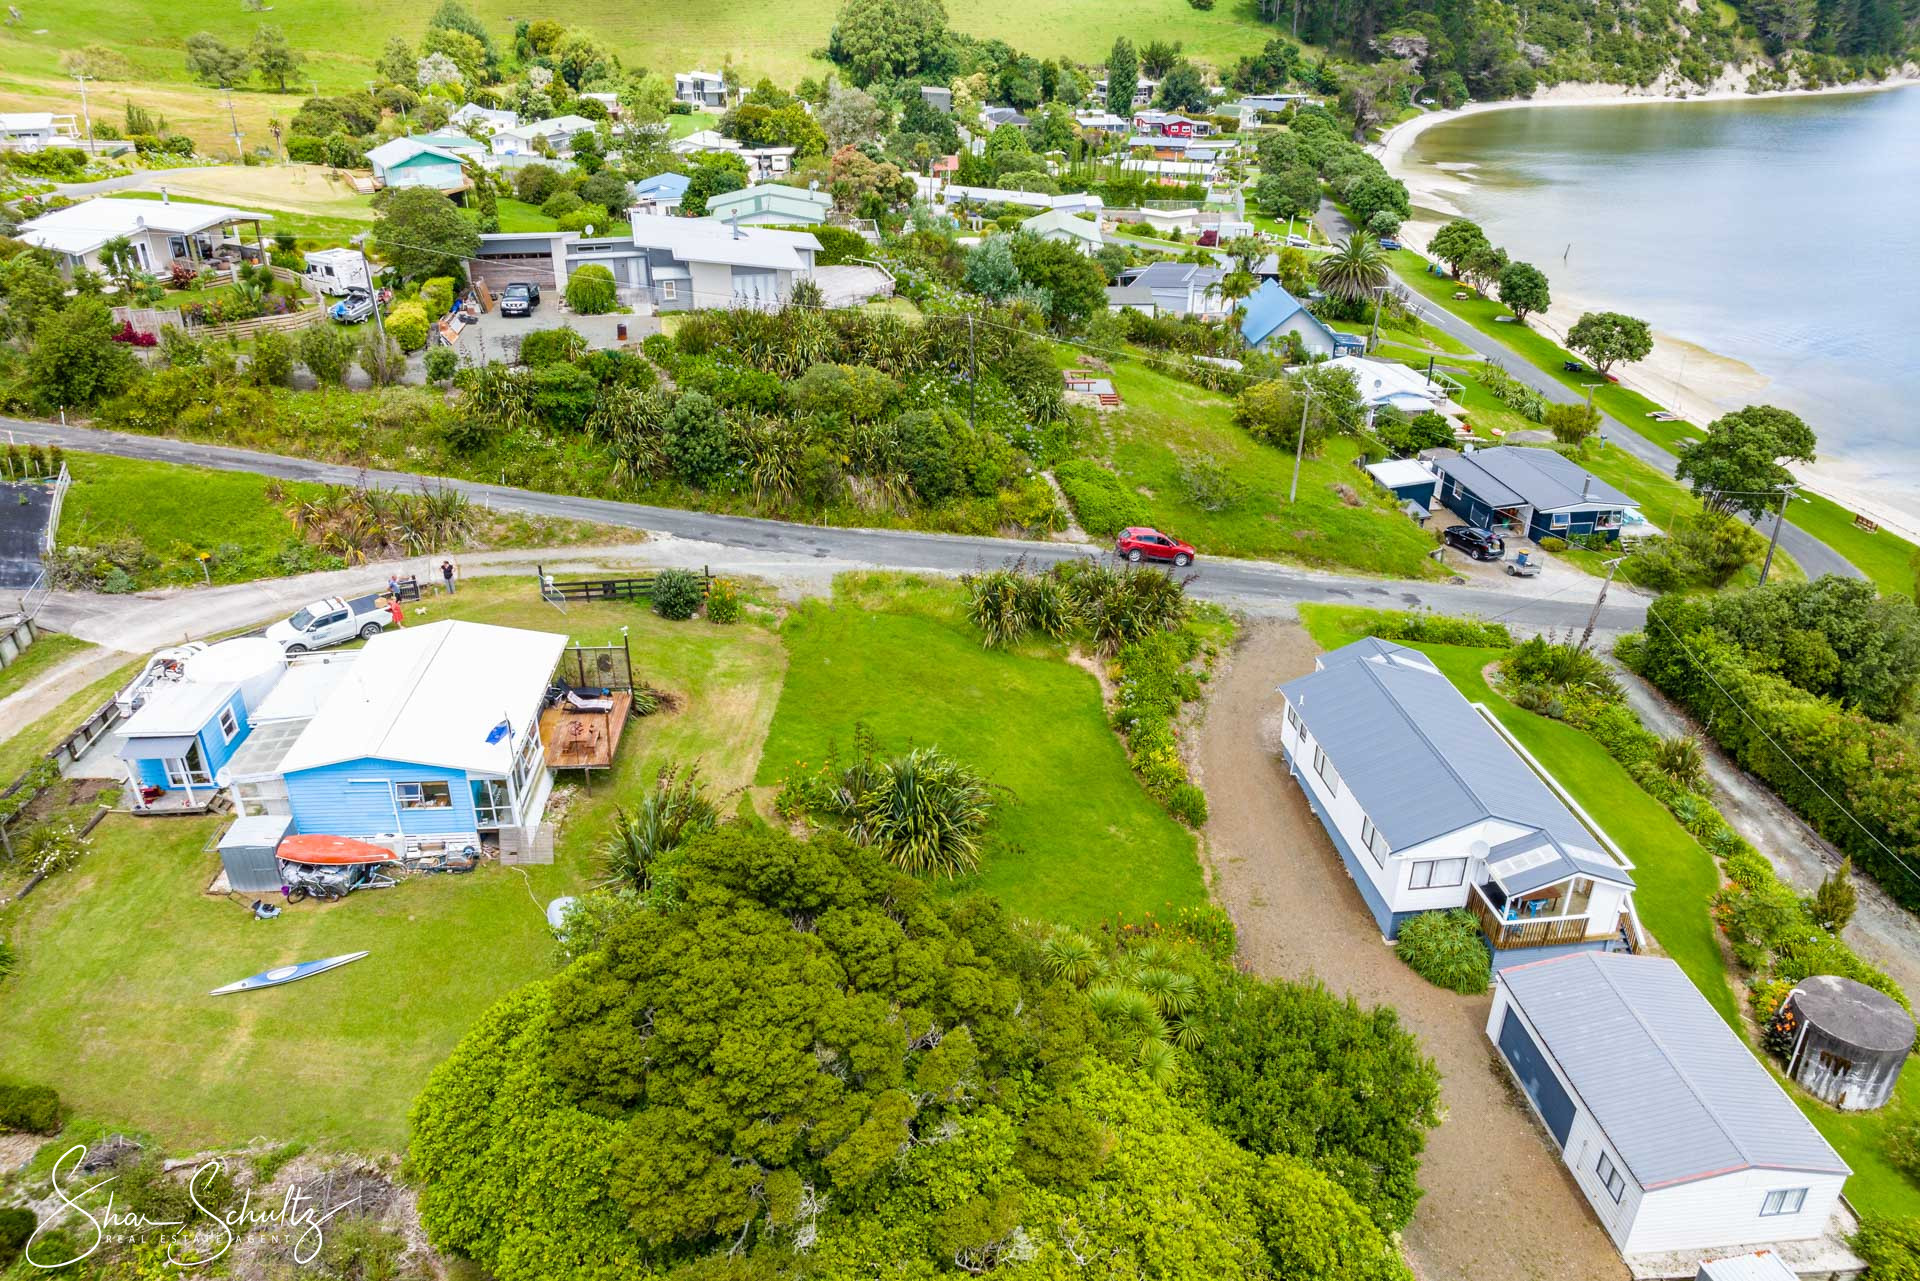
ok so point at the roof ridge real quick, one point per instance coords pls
(1633, 1012)
(423, 660)
(1420, 730)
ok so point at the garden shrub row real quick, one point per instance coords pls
(1435, 629)
(1153, 678)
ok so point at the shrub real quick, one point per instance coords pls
(1446, 950)
(32, 1108)
(676, 593)
(1833, 903)
(560, 204)
(1891, 1247)
(1552, 544)
(442, 364)
(407, 325)
(590, 290)
(723, 601)
(271, 364)
(1100, 502)
(1903, 1145)
(597, 217)
(925, 810)
(16, 1229)
(562, 396)
(562, 346)
(436, 295)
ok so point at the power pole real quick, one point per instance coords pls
(235, 122)
(973, 372)
(1300, 448)
(379, 323)
(1379, 297)
(85, 114)
(1593, 619)
(1786, 492)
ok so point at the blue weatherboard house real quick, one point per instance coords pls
(660, 194)
(1537, 491)
(433, 731)
(1431, 808)
(1272, 313)
(182, 736)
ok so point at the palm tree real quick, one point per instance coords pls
(1354, 269)
(1237, 284)
(121, 262)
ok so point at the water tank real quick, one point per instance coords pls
(254, 663)
(1851, 1041)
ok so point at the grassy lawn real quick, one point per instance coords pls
(692, 122)
(1883, 556)
(300, 199)
(1674, 877)
(1166, 422)
(175, 299)
(1077, 839)
(27, 744)
(518, 215)
(48, 651)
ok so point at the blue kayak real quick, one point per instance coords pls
(287, 974)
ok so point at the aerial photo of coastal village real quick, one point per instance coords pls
(894, 640)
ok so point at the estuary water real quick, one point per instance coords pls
(1782, 233)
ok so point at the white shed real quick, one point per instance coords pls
(1677, 1135)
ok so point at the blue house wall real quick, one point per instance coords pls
(355, 798)
(216, 749)
(1582, 521)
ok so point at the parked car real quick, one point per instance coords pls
(1481, 544)
(1137, 543)
(1388, 242)
(1574, 367)
(1297, 241)
(519, 299)
(330, 622)
(353, 309)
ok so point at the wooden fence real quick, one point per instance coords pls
(634, 588)
(260, 324)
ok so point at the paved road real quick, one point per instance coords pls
(1814, 556)
(125, 181)
(749, 544)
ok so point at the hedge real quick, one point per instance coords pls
(32, 1108)
(1872, 770)
(1103, 505)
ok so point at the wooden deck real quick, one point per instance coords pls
(584, 740)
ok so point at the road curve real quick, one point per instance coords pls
(1254, 586)
(1814, 556)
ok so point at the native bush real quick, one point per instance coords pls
(16, 1229)
(924, 810)
(1445, 949)
(34, 1109)
(674, 811)
(442, 364)
(677, 593)
(561, 346)
(562, 396)
(1890, 1246)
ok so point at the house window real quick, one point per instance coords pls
(229, 724)
(1324, 768)
(669, 291)
(1783, 1201)
(1560, 520)
(1439, 873)
(1610, 1178)
(431, 794)
(1293, 719)
(1376, 844)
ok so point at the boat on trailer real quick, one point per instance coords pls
(287, 974)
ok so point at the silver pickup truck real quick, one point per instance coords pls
(330, 622)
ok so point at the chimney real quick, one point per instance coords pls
(1586, 486)
(164, 198)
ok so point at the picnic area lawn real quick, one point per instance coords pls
(1165, 423)
(1076, 839)
(48, 650)
(1674, 880)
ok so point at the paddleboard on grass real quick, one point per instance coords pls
(287, 974)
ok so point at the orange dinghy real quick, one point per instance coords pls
(333, 851)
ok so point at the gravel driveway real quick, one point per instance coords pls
(1498, 1203)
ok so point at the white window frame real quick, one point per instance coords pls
(1560, 520)
(411, 794)
(1324, 768)
(1783, 1201)
(229, 724)
(1293, 719)
(669, 291)
(1427, 874)
(1610, 1178)
(1376, 843)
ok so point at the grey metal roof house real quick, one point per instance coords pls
(1403, 771)
(1181, 288)
(1758, 1265)
(1540, 492)
(1677, 1134)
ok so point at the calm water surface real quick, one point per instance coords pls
(1783, 232)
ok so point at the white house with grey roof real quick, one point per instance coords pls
(1678, 1137)
(1431, 807)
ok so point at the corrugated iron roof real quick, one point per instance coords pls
(1508, 475)
(1677, 1093)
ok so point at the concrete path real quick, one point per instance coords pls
(58, 683)
(740, 544)
(1814, 556)
(1881, 931)
(1498, 1202)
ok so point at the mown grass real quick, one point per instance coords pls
(48, 651)
(1675, 879)
(518, 215)
(29, 743)
(1076, 838)
(1166, 422)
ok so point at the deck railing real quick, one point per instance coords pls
(1539, 931)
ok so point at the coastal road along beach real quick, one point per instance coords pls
(775, 549)
(1814, 556)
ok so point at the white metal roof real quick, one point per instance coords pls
(430, 695)
(711, 240)
(22, 120)
(304, 688)
(84, 227)
(395, 150)
(1761, 1265)
(1381, 380)
(1395, 472)
(178, 707)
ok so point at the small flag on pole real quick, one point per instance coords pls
(499, 732)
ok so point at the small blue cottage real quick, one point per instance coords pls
(190, 720)
(432, 732)
(1272, 313)
(1538, 492)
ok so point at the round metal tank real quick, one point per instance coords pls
(1851, 1044)
(254, 663)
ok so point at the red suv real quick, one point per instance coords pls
(1138, 543)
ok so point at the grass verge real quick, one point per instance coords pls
(48, 651)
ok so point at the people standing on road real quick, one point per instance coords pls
(393, 585)
(448, 571)
(396, 611)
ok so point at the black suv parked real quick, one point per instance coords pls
(1481, 544)
(519, 299)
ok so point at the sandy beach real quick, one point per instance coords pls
(1692, 380)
